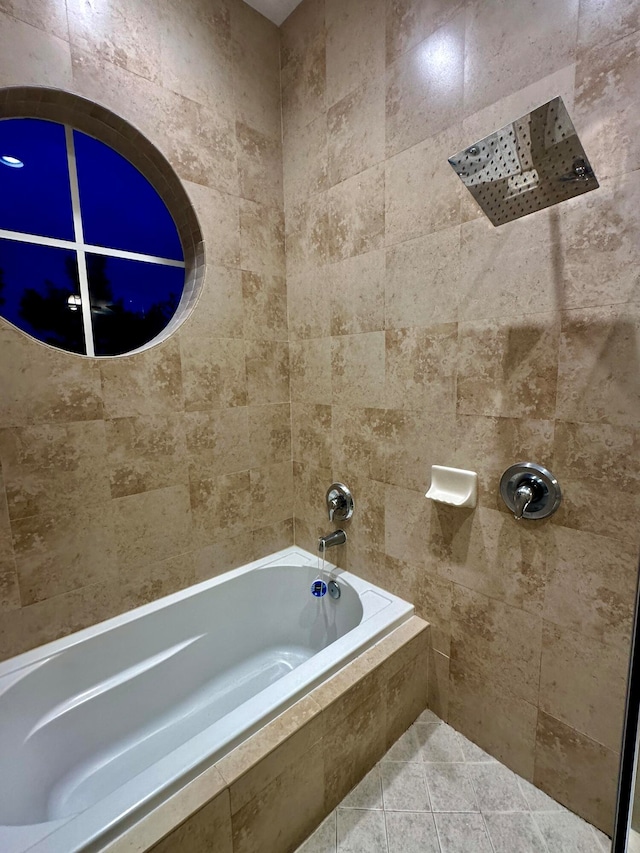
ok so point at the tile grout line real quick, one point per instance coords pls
(475, 793)
(486, 829)
(335, 829)
(438, 839)
(537, 825)
(532, 813)
(386, 830)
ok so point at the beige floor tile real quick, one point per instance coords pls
(566, 833)
(404, 787)
(477, 804)
(459, 833)
(496, 788)
(438, 742)
(360, 830)
(450, 788)
(510, 832)
(411, 832)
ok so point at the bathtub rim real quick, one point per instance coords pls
(65, 835)
(52, 647)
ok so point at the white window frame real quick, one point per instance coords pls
(79, 246)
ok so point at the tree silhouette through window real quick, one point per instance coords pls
(116, 328)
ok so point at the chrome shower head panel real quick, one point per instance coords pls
(530, 164)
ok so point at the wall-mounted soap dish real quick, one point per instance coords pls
(453, 486)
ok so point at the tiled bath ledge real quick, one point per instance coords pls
(272, 791)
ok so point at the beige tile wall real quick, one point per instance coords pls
(420, 334)
(124, 480)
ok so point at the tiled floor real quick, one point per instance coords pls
(436, 792)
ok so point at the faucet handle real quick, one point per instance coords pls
(339, 502)
(522, 498)
(333, 503)
(530, 491)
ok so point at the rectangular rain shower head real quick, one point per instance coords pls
(530, 164)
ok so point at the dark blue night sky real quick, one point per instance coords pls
(36, 198)
(142, 298)
(120, 208)
(131, 300)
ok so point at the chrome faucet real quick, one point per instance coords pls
(333, 504)
(523, 496)
(338, 537)
(530, 491)
(339, 502)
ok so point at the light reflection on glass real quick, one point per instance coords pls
(12, 162)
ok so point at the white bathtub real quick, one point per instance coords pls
(99, 727)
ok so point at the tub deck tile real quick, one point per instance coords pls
(208, 788)
(208, 831)
(249, 768)
(281, 815)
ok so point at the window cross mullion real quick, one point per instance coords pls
(79, 237)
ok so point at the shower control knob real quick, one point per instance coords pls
(530, 491)
(339, 502)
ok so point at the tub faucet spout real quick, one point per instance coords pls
(338, 537)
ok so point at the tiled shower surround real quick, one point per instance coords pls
(408, 331)
(420, 334)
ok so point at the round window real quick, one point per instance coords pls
(90, 258)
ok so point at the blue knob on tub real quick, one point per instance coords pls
(318, 588)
